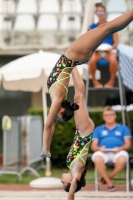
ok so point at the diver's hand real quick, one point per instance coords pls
(46, 154)
(70, 198)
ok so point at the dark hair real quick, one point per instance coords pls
(100, 5)
(68, 113)
(82, 181)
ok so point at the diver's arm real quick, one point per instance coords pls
(50, 126)
(72, 189)
(51, 135)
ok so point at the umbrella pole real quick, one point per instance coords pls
(44, 100)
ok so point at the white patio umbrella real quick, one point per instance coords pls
(29, 73)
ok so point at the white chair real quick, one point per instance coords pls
(1, 22)
(26, 6)
(24, 23)
(1, 6)
(7, 6)
(50, 6)
(5, 25)
(127, 177)
(47, 22)
(78, 6)
(47, 27)
(1, 27)
(69, 6)
(66, 23)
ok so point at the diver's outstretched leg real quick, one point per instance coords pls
(89, 41)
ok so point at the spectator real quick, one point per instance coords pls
(110, 135)
(106, 50)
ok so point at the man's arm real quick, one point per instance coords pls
(127, 145)
(127, 140)
(95, 147)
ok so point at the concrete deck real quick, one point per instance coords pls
(61, 195)
(25, 192)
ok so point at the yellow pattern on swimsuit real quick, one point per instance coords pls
(79, 149)
(62, 64)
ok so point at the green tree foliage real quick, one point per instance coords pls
(64, 134)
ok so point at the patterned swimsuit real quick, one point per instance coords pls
(78, 149)
(62, 64)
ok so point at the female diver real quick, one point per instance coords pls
(78, 53)
(77, 156)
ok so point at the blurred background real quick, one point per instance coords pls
(27, 26)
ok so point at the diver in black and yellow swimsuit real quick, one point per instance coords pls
(79, 52)
(62, 64)
(79, 149)
(77, 156)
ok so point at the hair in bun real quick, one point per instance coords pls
(68, 113)
(66, 104)
(75, 106)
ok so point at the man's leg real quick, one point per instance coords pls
(118, 167)
(92, 68)
(101, 168)
(111, 57)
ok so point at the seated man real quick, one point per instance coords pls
(106, 50)
(110, 135)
